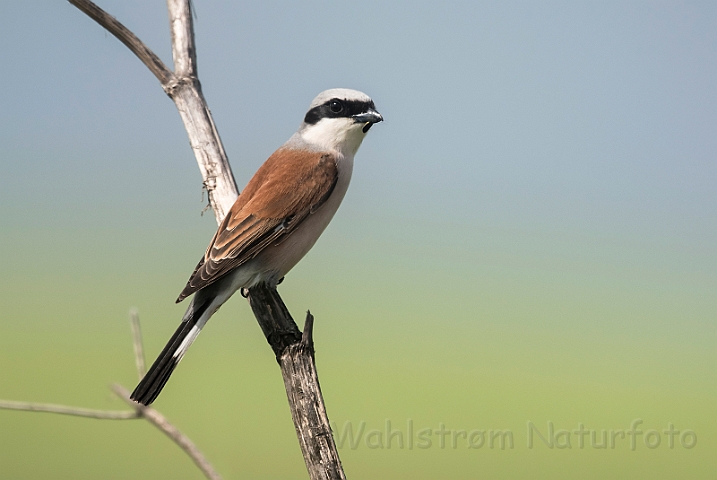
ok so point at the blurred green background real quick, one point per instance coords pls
(529, 237)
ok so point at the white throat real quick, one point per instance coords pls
(337, 134)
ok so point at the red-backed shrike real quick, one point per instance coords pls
(275, 221)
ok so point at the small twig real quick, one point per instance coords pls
(307, 337)
(65, 410)
(138, 411)
(159, 421)
(137, 342)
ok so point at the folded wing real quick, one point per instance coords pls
(290, 186)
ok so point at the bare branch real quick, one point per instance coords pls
(159, 421)
(204, 140)
(152, 415)
(308, 409)
(124, 35)
(137, 343)
(138, 411)
(295, 354)
(184, 89)
(182, 28)
(65, 410)
(307, 337)
(187, 95)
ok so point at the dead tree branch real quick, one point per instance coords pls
(138, 411)
(294, 351)
(65, 410)
(159, 421)
(184, 89)
(110, 23)
(137, 343)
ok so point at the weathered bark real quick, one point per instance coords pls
(186, 91)
(295, 353)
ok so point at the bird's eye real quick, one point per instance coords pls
(336, 106)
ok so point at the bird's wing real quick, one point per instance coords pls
(289, 187)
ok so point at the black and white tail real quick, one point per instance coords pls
(153, 382)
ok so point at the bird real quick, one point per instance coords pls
(274, 222)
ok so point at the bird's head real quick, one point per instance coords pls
(338, 119)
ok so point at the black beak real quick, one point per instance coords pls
(372, 116)
(369, 118)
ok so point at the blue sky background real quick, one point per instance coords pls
(530, 235)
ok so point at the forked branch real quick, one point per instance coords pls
(184, 89)
(293, 350)
(138, 411)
